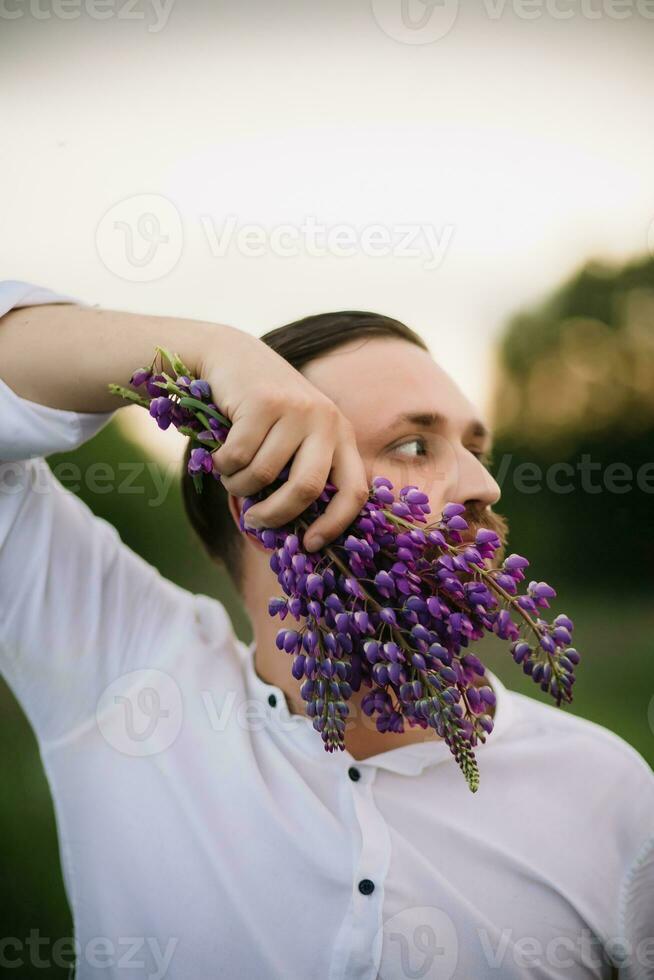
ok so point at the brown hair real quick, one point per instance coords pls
(298, 343)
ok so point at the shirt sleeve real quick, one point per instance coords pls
(28, 429)
(78, 607)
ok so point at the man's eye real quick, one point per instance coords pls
(417, 444)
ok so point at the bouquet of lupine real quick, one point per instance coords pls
(393, 603)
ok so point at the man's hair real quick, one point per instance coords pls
(298, 343)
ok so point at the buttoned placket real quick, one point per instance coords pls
(359, 943)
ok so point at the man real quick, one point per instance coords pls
(407, 410)
(204, 830)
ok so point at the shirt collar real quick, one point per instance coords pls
(405, 759)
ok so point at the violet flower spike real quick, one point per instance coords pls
(373, 610)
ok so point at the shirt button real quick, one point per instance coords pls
(366, 886)
(354, 773)
(272, 700)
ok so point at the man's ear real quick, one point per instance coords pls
(234, 504)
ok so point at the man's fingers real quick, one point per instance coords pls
(242, 444)
(306, 481)
(282, 440)
(348, 473)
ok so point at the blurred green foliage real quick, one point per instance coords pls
(574, 422)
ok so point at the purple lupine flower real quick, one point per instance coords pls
(457, 523)
(200, 461)
(541, 590)
(452, 510)
(140, 377)
(392, 604)
(161, 410)
(160, 406)
(184, 382)
(153, 387)
(278, 606)
(200, 389)
(515, 563)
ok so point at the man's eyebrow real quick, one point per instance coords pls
(434, 420)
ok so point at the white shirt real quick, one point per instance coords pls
(205, 832)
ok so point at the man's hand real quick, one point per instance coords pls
(277, 414)
(66, 356)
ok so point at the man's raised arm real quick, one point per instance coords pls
(65, 355)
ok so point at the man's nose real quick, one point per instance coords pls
(472, 482)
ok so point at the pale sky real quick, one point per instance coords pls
(500, 155)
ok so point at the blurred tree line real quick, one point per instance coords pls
(573, 416)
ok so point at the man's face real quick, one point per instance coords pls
(412, 423)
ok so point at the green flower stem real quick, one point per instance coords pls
(174, 360)
(132, 396)
(187, 402)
